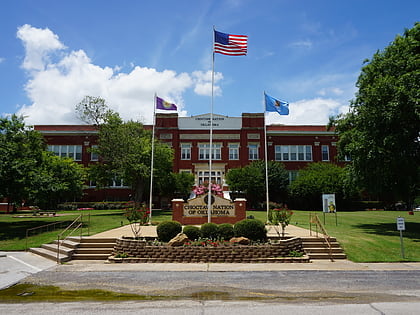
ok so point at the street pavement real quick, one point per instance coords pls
(319, 287)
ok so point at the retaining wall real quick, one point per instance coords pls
(140, 252)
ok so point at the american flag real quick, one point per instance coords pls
(229, 44)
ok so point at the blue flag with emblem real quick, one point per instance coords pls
(275, 105)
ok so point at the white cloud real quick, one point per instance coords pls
(39, 43)
(2, 59)
(55, 87)
(308, 112)
(202, 81)
(307, 44)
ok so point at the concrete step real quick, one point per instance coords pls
(326, 256)
(316, 239)
(89, 239)
(67, 243)
(93, 251)
(78, 256)
(49, 254)
(324, 250)
(54, 248)
(320, 245)
(96, 245)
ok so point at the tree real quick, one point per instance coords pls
(21, 154)
(317, 179)
(381, 131)
(28, 172)
(93, 110)
(125, 152)
(56, 180)
(251, 180)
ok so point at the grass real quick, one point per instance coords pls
(13, 229)
(366, 236)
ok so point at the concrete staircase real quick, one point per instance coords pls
(77, 248)
(317, 248)
(94, 248)
(66, 250)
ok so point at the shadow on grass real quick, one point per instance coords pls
(412, 229)
(17, 229)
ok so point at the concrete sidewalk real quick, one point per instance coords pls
(150, 231)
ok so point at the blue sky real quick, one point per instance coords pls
(309, 53)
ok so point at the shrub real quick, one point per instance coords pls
(192, 232)
(251, 228)
(225, 231)
(209, 230)
(168, 230)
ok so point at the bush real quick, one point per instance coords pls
(168, 230)
(225, 231)
(192, 232)
(251, 228)
(209, 230)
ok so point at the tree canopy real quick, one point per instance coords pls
(125, 152)
(381, 133)
(29, 173)
(251, 180)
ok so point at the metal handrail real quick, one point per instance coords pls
(59, 236)
(39, 228)
(314, 219)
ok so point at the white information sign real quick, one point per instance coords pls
(328, 203)
(203, 122)
(400, 224)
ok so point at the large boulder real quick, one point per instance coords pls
(179, 240)
(240, 240)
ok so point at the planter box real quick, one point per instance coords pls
(140, 252)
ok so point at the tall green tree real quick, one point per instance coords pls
(321, 178)
(251, 180)
(125, 152)
(56, 180)
(381, 131)
(21, 155)
(29, 173)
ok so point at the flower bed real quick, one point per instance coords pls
(137, 251)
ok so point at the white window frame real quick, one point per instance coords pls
(204, 151)
(233, 151)
(253, 151)
(94, 156)
(325, 152)
(185, 151)
(293, 153)
(67, 151)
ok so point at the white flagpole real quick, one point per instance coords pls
(266, 162)
(211, 137)
(152, 162)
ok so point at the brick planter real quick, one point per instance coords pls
(140, 252)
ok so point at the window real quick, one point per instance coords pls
(67, 151)
(203, 177)
(233, 151)
(93, 155)
(253, 151)
(116, 182)
(185, 151)
(293, 152)
(204, 151)
(325, 153)
(292, 176)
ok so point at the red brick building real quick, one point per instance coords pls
(237, 141)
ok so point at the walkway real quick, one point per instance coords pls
(150, 231)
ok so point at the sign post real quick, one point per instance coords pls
(329, 206)
(401, 227)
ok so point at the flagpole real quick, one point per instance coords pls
(266, 163)
(211, 137)
(152, 161)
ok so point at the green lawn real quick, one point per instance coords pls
(366, 236)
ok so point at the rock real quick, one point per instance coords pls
(178, 240)
(240, 240)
